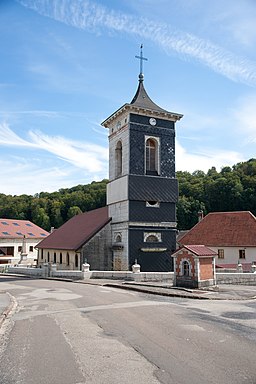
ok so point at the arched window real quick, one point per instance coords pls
(118, 159)
(76, 260)
(54, 257)
(67, 261)
(185, 268)
(151, 157)
(60, 257)
(48, 257)
(118, 239)
(151, 239)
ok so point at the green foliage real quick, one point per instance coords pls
(231, 189)
(72, 211)
(53, 209)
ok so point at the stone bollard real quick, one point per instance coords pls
(86, 267)
(239, 268)
(253, 268)
(136, 267)
(86, 271)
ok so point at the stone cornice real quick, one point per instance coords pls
(172, 116)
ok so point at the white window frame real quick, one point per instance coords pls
(157, 140)
(158, 235)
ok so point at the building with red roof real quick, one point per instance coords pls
(84, 238)
(18, 239)
(194, 266)
(231, 234)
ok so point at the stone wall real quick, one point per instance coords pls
(131, 276)
(236, 278)
(48, 270)
(51, 271)
(25, 271)
(97, 251)
(45, 271)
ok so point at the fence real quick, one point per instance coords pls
(48, 270)
(236, 278)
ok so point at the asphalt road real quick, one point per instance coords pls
(68, 333)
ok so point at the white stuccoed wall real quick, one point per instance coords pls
(231, 255)
(117, 190)
(121, 135)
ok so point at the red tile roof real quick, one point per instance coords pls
(198, 250)
(227, 229)
(17, 229)
(76, 231)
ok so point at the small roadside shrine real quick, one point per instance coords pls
(194, 266)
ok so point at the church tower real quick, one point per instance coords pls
(142, 190)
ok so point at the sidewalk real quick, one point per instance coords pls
(222, 292)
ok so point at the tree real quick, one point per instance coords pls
(187, 212)
(72, 211)
(41, 218)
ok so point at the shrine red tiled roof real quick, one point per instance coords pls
(227, 229)
(17, 229)
(200, 250)
(76, 231)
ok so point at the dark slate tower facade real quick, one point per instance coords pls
(143, 191)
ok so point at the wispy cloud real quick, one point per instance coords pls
(30, 176)
(235, 19)
(46, 113)
(9, 138)
(34, 175)
(79, 162)
(244, 116)
(91, 16)
(90, 157)
(205, 159)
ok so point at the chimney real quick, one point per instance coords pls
(200, 215)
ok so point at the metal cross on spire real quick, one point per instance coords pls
(141, 76)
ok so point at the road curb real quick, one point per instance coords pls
(159, 293)
(8, 310)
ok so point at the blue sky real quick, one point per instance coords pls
(66, 65)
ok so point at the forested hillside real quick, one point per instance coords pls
(53, 209)
(230, 189)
